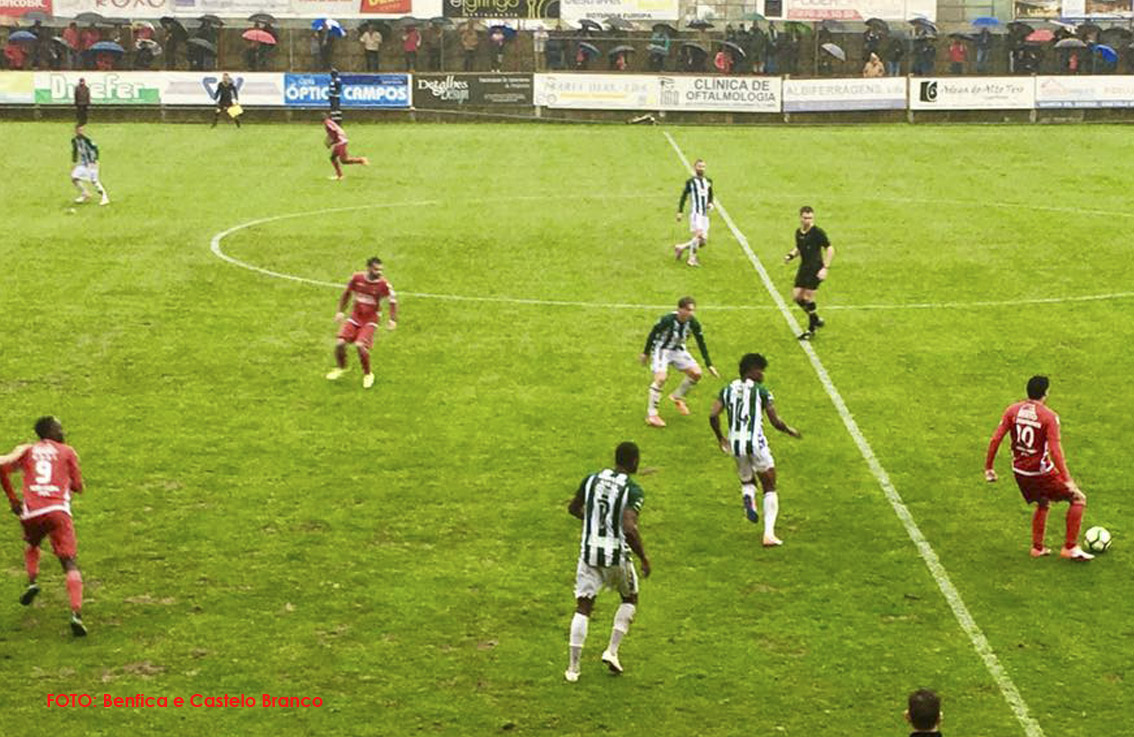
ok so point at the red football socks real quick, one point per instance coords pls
(338, 169)
(75, 589)
(364, 357)
(1039, 526)
(31, 560)
(1074, 522)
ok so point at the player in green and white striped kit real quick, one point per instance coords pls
(665, 347)
(608, 503)
(747, 399)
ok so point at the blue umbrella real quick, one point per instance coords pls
(1108, 54)
(109, 47)
(330, 25)
(23, 36)
(509, 33)
(985, 21)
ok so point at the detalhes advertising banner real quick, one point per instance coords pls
(720, 93)
(107, 88)
(600, 10)
(597, 91)
(199, 88)
(857, 93)
(17, 88)
(1085, 92)
(972, 93)
(359, 90)
(457, 90)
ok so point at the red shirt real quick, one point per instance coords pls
(335, 132)
(71, 36)
(957, 52)
(51, 473)
(88, 37)
(1036, 450)
(367, 298)
(411, 40)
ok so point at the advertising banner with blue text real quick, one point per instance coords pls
(359, 90)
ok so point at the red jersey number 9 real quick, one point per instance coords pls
(43, 472)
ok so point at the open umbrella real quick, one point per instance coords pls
(442, 21)
(799, 27)
(210, 18)
(148, 43)
(1020, 29)
(174, 28)
(508, 31)
(262, 18)
(693, 48)
(961, 36)
(734, 49)
(116, 21)
(623, 49)
(665, 28)
(832, 25)
(408, 20)
(619, 24)
(143, 24)
(203, 44)
(985, 21)
(1083, 29)
(1041, 36)
(35, 15)
(926, 24)
(330, 25)
(1115, 35)
(1107, 54)
(878, 24)
(259, 35)
(23, 37)
(108, 47)
(1070, 43)
(89, 17)
(62, 42)
(589, 26)
(835, 51)
(699, 25)
(753, 16)
(589, 49)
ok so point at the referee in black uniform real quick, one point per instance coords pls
(815, 254)
(226, 97)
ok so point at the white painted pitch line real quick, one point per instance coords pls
(215, 246)
(964, 618)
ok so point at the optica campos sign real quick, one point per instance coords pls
(359, 90)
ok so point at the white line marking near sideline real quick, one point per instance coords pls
(925, 550)
(215, 246)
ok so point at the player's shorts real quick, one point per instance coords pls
(760, 461)
(699, 223)
(807, 278)
(680, 360)
(339, 150)
(86, 172)
(58, 526)
(362, 335)
(1049, 487)
(590, 580)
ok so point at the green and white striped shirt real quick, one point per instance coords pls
(745, 401)
(671, 334)
(606, 495)
(83, 151)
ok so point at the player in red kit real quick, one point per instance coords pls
(1039, 467)
(337, 142)
(51, 473)
(369, 289)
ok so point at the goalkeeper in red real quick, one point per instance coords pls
(337, 142)
(1039, 467)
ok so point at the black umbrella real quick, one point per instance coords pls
(262, 18)
(692, 47)
(1071, 43)
(878, 24)
(1082, 29)
(202, 43)
(699, 25)
(1116, 33)
(589, 49)
(441, 21)
(736, 50)
(117, 21)
(35, 15)
(89, 17)
(665, 28)
(619, 24)
(623, 49)
(962, 36)
(589, 26)
(62, 42)
(174, 27)
(925, 23)
(211, 19)
(831, 24)
(1020, 29)
(408, 20)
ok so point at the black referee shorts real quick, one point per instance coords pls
(807, 279)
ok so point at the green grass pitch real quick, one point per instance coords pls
(405, 553)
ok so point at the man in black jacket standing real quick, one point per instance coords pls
(82, 101)
(227, 98)
(335, 96)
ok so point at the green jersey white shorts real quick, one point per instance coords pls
(699, 223)
(605, 560)
(744, 400)
(86, 172)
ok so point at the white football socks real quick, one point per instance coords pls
(749, 492)
(686, 385)
(578, 637)
(655, 398)
(622, 619)
(771, 510)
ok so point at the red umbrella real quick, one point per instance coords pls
(1041, 36)
(259, 36)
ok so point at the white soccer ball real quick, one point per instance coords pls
(1097, 539)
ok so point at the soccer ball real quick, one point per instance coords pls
(1097, 539)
